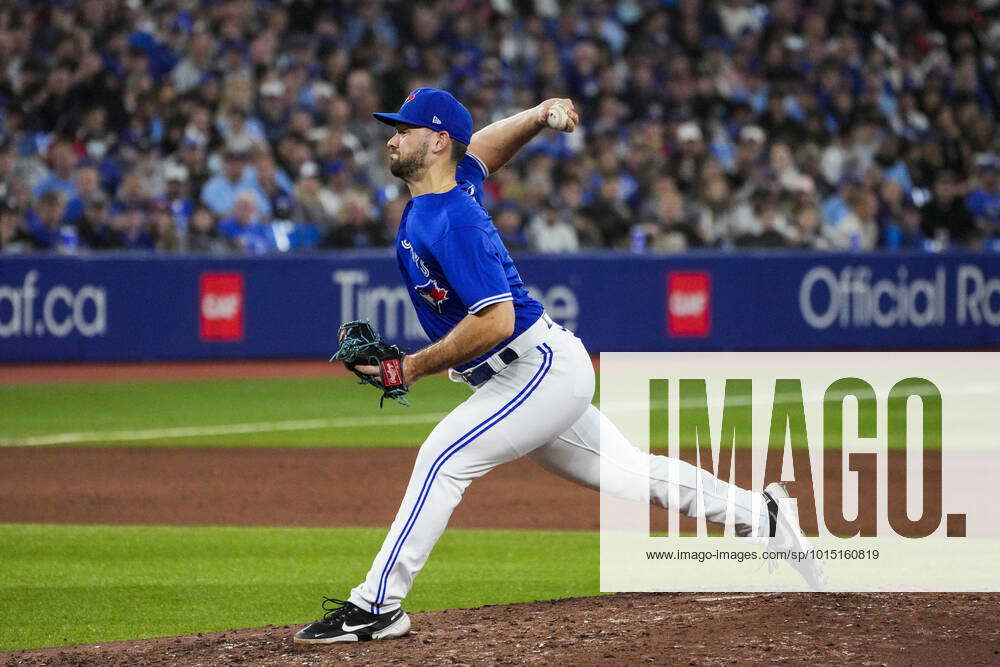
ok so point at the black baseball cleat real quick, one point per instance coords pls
(346, 622)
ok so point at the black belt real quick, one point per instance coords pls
(484, 371)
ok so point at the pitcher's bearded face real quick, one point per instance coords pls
(408, 152)
(408, 166)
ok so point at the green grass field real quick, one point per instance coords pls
(100, 413)
(87, 584)
(326, 412)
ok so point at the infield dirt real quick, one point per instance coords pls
(292, 487)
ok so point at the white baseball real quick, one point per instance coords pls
(558, 117)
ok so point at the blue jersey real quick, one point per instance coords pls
(454, 263)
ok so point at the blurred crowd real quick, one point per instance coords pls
(245, 126)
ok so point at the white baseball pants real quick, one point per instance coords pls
(539, 406)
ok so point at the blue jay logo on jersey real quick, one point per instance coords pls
(434, 295)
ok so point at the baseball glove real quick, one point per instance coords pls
(361, 345)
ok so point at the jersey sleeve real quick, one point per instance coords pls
(473, 266)
(472, 172)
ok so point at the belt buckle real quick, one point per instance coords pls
(467, 376)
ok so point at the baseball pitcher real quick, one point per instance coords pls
(532, 380)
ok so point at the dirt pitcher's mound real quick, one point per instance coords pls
(621, 629)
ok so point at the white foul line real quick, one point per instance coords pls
(220, 429)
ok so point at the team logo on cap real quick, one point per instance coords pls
(410, 97)
(435, 296)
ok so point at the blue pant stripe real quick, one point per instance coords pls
(469, 437)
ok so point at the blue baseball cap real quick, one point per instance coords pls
(436, 110)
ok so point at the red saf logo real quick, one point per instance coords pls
(435, 296)
(410, 97)
(220, 307)
(689, 304)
